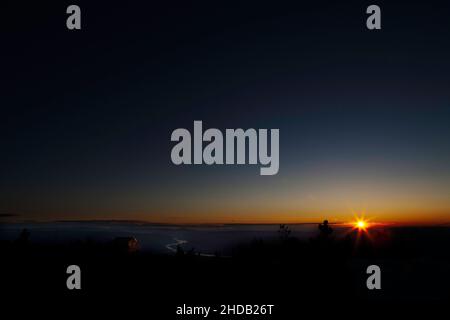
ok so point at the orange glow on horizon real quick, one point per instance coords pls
(260, 216)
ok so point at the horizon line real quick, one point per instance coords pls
(132, 221)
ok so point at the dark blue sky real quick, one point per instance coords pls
(363, 115)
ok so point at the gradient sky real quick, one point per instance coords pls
(363, 115)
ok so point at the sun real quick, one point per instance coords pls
(361, 224)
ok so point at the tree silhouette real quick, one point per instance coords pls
(284, 231)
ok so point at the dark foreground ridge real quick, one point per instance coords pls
(287, 272)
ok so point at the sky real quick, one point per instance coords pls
(363, 115)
